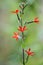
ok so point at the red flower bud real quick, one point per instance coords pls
(29, 52)
(16, 11)
(16, 35)
(22, 29)
(36, 20)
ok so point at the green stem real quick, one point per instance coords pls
(27, 59)
(18, 17)
(28, 22)
(23, 39)
(23, 58)
(24, 8)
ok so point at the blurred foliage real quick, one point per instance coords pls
(10, 49)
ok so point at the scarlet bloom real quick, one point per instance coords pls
(22, 29)
(36, 20)
(29, 52)
(16, 11)
(16, 35)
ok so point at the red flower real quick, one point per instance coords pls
(36, 20)
(16, 11)
(29, 52)
(16, 35)
(22, 29)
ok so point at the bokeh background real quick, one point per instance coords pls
(10, 49)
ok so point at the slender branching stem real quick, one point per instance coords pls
(23, 39)
(28, 22)
(18, 17)
(21, 23)
(24, 7)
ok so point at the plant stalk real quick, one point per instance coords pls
(23, 58)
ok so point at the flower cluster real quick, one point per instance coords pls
(22, 28)
(16, 34)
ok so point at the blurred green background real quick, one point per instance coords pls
(10, 49)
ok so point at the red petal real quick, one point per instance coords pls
(24, 28)
(20, 27)
(36, 20)
(13, 36)
(15, 33)
(32, 53)
(17, 11)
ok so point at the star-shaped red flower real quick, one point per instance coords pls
(16, 11)
(22, 29)
(36, 20)
(29, 52)
(16, 35)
